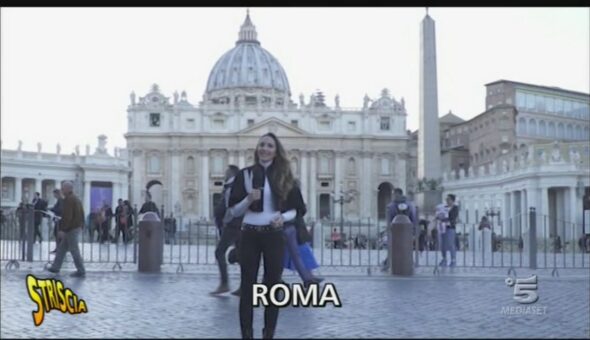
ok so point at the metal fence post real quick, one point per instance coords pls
(532, 238)
(30, 233)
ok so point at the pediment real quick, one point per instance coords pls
(274, 125)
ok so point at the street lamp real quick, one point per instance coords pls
(492, 212)
(343, 197)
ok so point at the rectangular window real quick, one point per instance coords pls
(295, 122)
(385, 123)
(540, 103)
(351, 126)
(520, 100)
(567, 107)
(530, 101)
(558, 105)
(324, 165)
(325, 125)
(550, 101)
(154, 119)
(154, 164)
(217, 165)
(218, 123)
(250, 122)
(190, 123)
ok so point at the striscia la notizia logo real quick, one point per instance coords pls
(51, 294)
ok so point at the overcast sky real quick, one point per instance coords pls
(67, 72)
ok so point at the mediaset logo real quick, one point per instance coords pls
(281, 295)
(525, 292)
(50, 294)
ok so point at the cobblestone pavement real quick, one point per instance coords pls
(453, 304)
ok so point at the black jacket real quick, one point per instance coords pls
(453, 214)
(294, 198)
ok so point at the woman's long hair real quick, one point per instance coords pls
(281, 177)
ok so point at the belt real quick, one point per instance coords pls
(261, 228)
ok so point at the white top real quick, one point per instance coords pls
(267, 214)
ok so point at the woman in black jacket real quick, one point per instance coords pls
(266, 195)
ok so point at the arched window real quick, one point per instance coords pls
(542, 129)
(570, 132)
(560, 130)
(521, 126)
(532, 127)
(294, 166)
(351, 166)
(579, 132)
(552, 132)
(190, 165)
(153, 165)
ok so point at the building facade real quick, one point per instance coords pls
(550, 177)
(359, 153)
(97, 176)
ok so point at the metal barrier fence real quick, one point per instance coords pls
(554, 244)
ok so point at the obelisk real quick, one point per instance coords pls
(429, 160)
(428, 134)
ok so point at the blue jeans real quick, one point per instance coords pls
(448, 243)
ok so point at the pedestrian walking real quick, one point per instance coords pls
(70, 228)
(229, 227)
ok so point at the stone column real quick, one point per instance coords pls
(138, 186)
(86, 201)
(514, 218)
(125, 189)
(337, 180)
(175, 171)
(312, 186)
(241, 159)
(231, 157)
(524, 210)
(573, 216)
(366, 189)
(543, 221)
(18, 189)
(204, 193)
(116, 194)
(303, 176)
(39, 186)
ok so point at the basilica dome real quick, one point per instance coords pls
(248, 66)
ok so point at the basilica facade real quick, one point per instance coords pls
(357, 155)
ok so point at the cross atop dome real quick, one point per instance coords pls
(248, 30)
